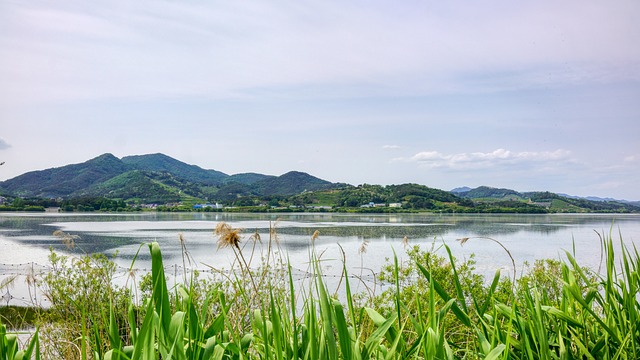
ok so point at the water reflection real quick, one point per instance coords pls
(529, 236)
(28, 237)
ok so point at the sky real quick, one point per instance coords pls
(527, 95)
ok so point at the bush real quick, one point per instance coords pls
(81, 293)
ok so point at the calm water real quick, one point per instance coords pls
(27, 238)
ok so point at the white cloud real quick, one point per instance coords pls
(632, 158)
(70, 51)
(480, 160)
(391, 147)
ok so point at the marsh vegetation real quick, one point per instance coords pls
(432, 306)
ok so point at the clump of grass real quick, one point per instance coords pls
(19, 317)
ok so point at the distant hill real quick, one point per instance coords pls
(490, 193)
(154, 178)
(551, 201)
(601, 199)
(462, 189)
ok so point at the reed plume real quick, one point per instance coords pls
(68, 240)
(227, 236)
(230, 237)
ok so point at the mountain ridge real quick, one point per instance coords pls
(160, 179)
(162, 176)
(464, 190)
(548, 199)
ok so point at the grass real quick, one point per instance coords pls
(19, 317)
(436, 308)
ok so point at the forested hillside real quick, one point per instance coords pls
(154, 178)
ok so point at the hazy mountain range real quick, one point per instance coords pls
(509, 194)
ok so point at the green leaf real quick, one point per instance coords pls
(561, 315)
(495, 353)
(209, 348)
(460, 314)
(160, 294)
(344, 337)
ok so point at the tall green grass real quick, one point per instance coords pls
(447, 315)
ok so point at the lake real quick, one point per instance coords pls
(27, 237)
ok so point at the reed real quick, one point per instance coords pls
(448, 315)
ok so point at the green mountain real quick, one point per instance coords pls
(65, 180)
(143, 186)
(291, 183)
(257, 185)
(246, 178)
(230, 192)
(164, 163)
(154, 178)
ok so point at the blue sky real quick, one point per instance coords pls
(538, 95)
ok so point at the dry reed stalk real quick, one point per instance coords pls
(68, 240)
(230, 237)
